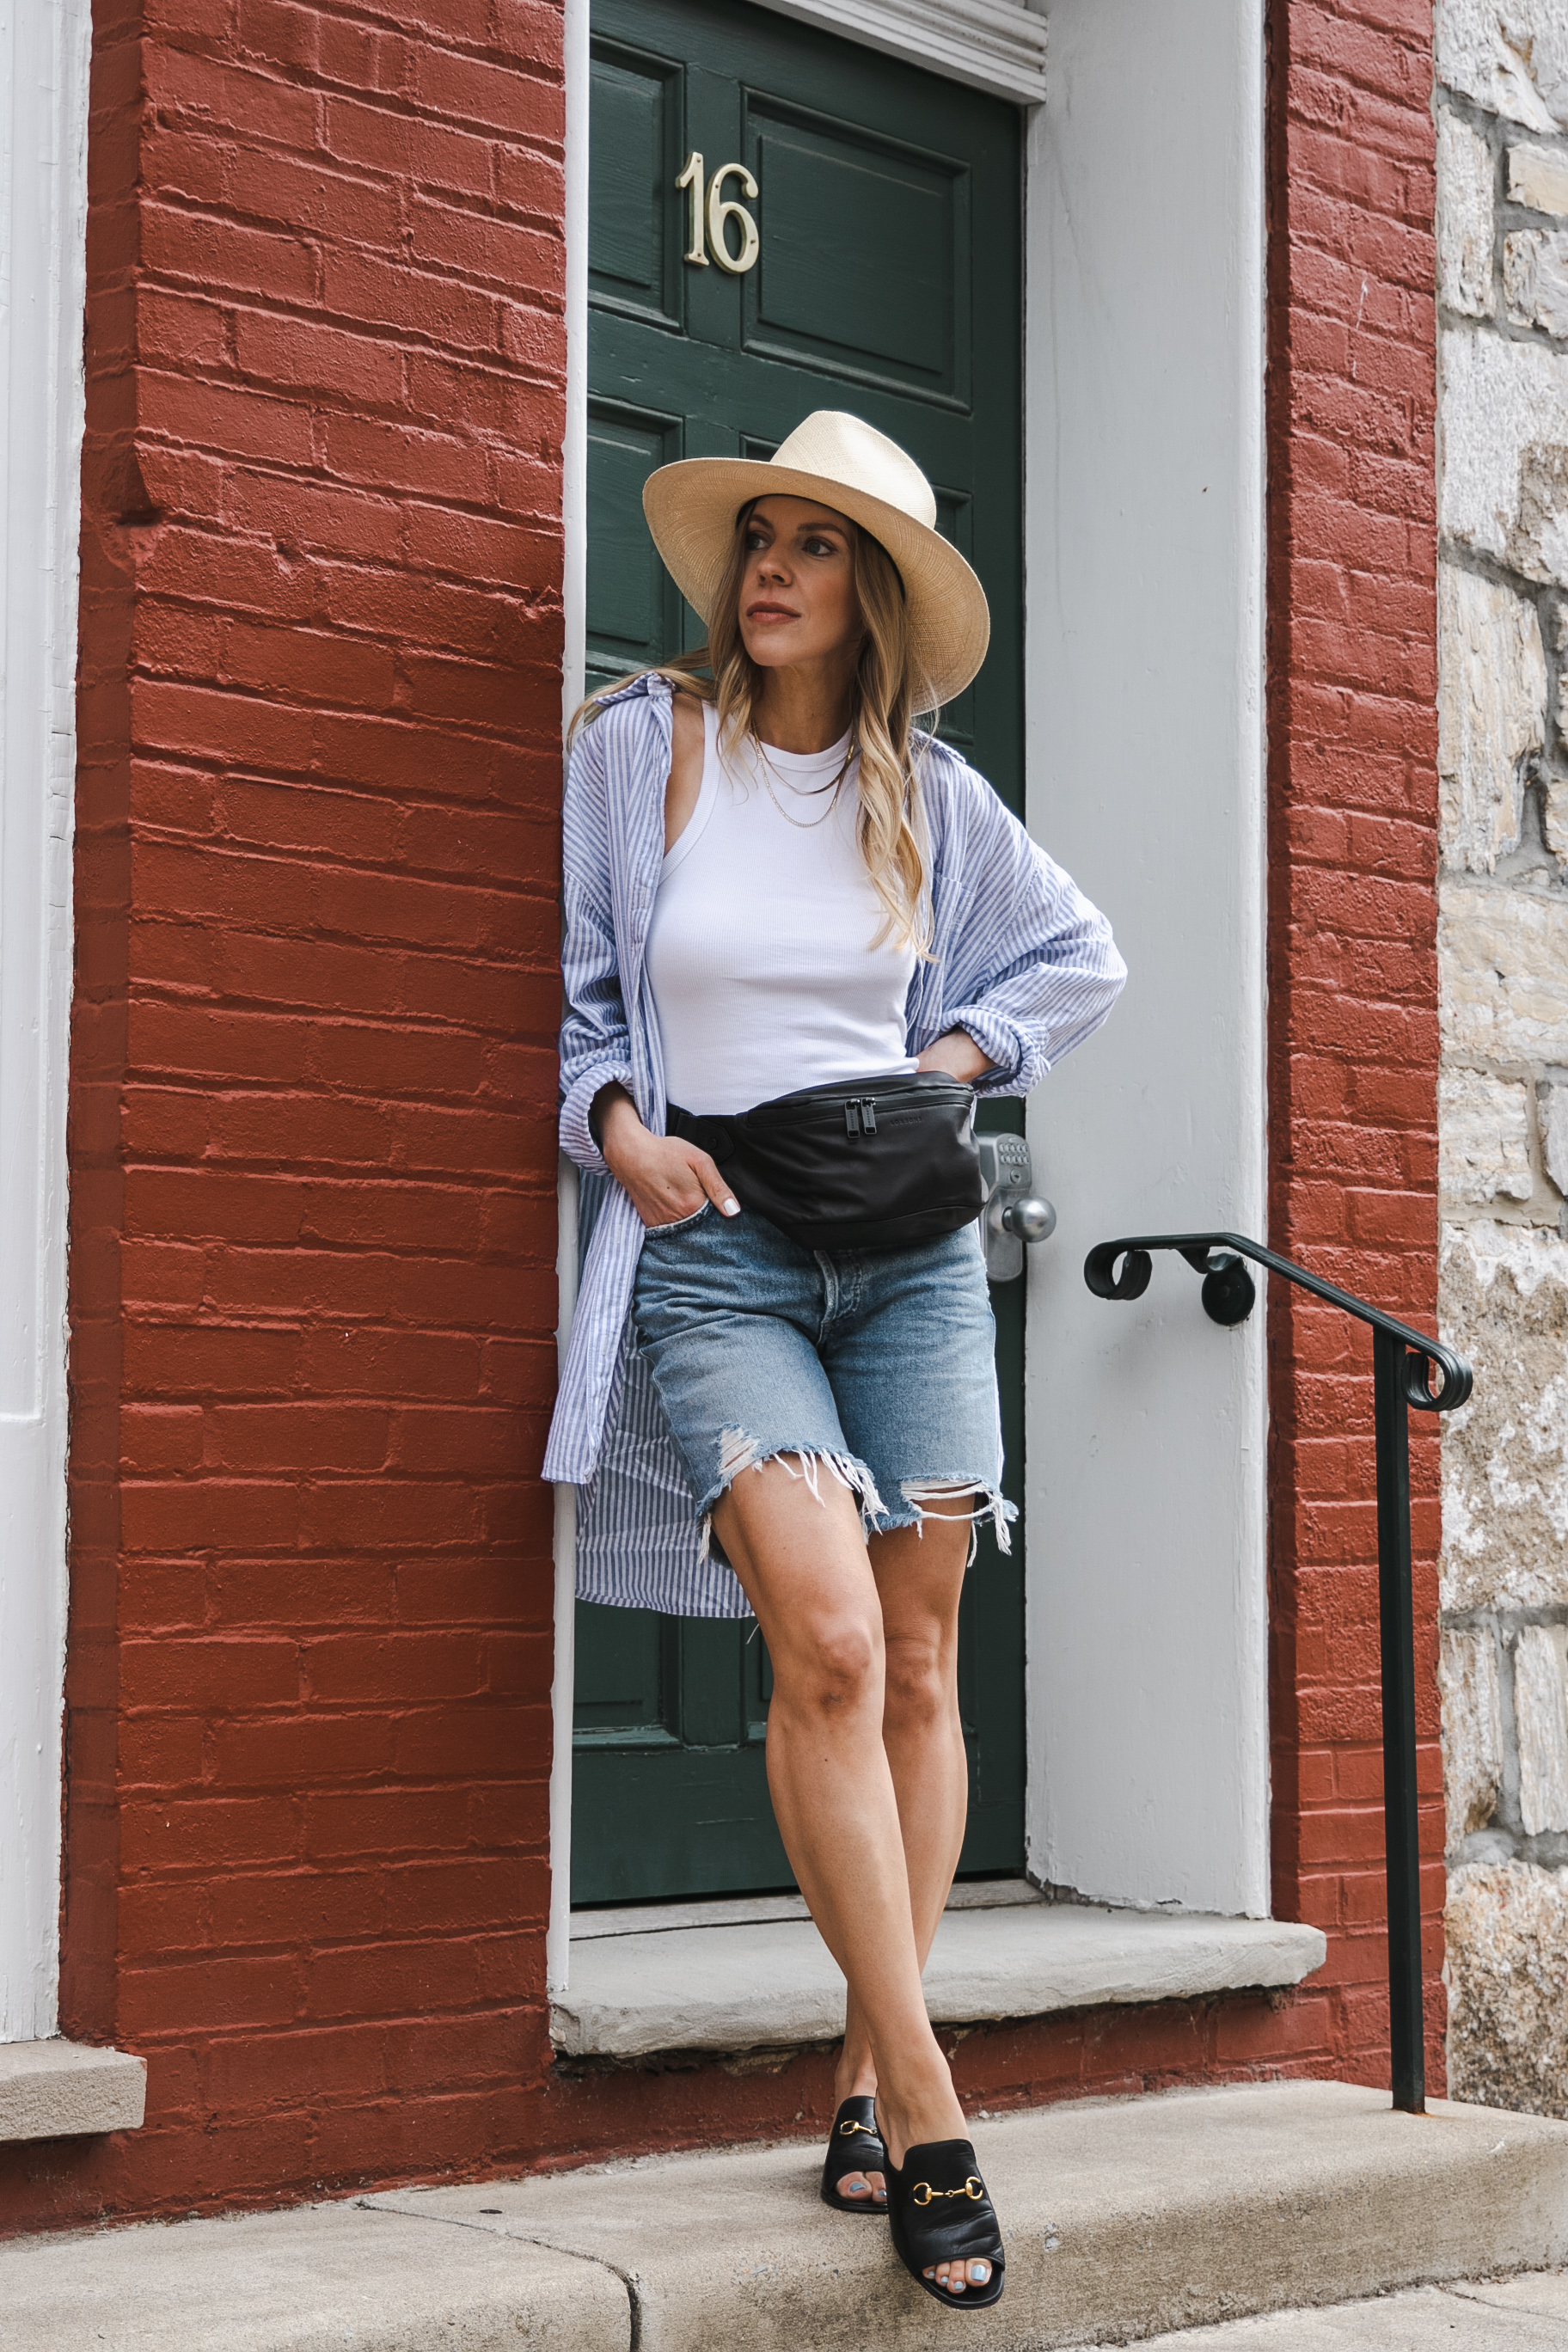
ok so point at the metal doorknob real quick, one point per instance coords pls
(1014, 1211)
(1031, 1221)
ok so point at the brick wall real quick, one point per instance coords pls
(313, 1225)
(1352, 955)
(312, 1241)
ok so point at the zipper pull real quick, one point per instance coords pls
(868, 1117)
(851, 1121)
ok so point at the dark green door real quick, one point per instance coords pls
(887, 280)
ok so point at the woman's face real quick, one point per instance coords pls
(798, 594)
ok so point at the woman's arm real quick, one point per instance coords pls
(686, 750)
(1030, 968)
(600, 1126)
(596, 1040)
(957, 1053)
(666, 1179)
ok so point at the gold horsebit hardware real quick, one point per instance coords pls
(847, 2131)
(924, 2194)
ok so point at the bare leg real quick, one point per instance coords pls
(920, 1579)
(806, 1571)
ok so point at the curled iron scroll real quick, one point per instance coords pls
(1229, 1293)
(1099, 1271)
(1454, 1385)
(1121, 1269)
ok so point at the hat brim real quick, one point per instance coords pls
(691, 507)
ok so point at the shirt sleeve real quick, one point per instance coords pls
(596, 1041)
(1033, 970)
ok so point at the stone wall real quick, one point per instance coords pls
(1502, 232)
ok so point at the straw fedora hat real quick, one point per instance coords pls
(691, 509)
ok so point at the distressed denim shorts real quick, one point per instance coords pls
(876, 1367)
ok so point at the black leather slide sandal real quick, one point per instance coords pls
(940, 2212)
(855, 2144)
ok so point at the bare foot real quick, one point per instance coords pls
(859, 2082)
(955, 2276)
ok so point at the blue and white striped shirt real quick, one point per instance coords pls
(1018, 958)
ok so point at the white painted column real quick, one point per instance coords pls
(43, 212)
(574, 601)
(1148, 1761)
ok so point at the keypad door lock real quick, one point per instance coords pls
(1014, 1211)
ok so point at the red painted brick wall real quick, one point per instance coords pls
(313, 1214)
(1352, 826)
(312, 1279)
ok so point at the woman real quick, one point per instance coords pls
(776, 887)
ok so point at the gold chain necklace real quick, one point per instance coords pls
(817, 823)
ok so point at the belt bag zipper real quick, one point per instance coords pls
(857, 1110)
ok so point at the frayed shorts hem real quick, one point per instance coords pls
(921, 1499)
(988, 1506)
(738, 1453)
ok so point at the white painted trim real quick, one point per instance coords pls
(558, 1940)
(996, 45)
(1148, 1779)
(574, 607)
(44, 47)
(577, 67)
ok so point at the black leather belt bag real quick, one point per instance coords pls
(874, 1163)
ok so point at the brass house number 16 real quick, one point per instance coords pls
(712, 210)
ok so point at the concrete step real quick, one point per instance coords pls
(1125, 2220)
(739, 1976)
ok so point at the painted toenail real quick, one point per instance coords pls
(979, 2272)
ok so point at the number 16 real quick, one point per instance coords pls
(714, 212)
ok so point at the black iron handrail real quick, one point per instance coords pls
(1404, 1362)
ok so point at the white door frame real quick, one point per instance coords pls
(44, 52)
(1144, 535)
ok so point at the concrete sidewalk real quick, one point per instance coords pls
(1125, 2220)
(1521, 2314)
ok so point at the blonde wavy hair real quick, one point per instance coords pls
(887, 698)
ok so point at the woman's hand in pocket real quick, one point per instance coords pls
(957, 1055)
(666, 1179)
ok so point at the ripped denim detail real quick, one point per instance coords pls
(923, 1496)
(738, 1452)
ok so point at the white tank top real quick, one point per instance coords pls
(759, 954)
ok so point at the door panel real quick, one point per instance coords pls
(906, 322)
(669, 1784)
(633, 606)
(887, 282)
(634, 248)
